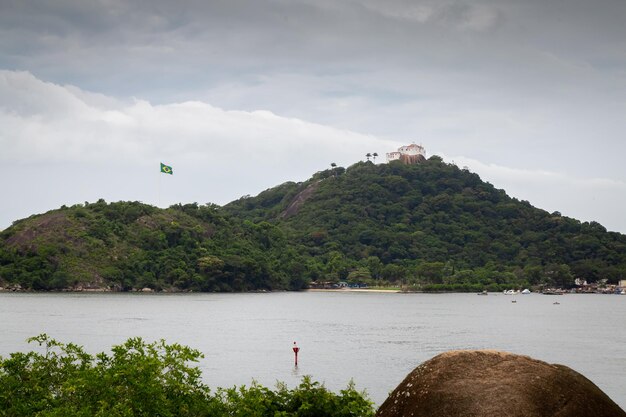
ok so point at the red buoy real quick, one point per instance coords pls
(296, 349)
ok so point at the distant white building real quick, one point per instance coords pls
(409, 152)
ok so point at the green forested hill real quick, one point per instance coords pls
(132, 245)
(431, 225)
(434, 223)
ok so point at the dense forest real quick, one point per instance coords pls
(130, 245)
(429, 226)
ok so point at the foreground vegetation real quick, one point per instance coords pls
(149, 379)
(430, 226)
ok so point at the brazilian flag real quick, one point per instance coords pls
(166, 169)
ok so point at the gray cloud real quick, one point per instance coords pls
(74, 146)
(530, 85)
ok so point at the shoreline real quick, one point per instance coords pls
(338, 290)
(351, 290)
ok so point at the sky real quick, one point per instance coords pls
(241, 95)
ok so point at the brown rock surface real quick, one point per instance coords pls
(491, 383)
(412, 159)
(298, 201)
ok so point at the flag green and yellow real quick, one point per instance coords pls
(166, 169)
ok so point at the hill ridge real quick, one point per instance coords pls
(425, 226)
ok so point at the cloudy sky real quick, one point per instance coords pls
(238, 96)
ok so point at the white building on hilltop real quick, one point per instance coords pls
(409, 152)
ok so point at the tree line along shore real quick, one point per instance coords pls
(429, 226)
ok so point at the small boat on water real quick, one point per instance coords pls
(482, 293)
(526, 291)
(556, 303)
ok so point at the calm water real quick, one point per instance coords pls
(374, 338)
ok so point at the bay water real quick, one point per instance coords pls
(376, 339)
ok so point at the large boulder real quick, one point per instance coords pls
(490, 383)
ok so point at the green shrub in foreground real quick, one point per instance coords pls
(149, 379)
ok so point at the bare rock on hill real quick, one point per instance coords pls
(491, 383)
(295, 204)
(412, 159)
